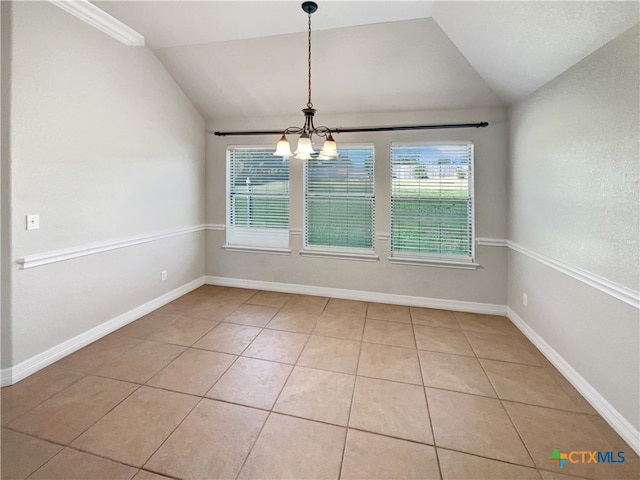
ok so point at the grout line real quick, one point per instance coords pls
(426, 399)
(353, 395)
(270, 411)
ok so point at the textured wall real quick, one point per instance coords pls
(575, 167)
(105, 146)
(573, 196)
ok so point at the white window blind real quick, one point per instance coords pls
(339, 200)
(432, 200)
(258, 198)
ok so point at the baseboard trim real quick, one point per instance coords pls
(9, 376)
(620, 424)
(378, 297)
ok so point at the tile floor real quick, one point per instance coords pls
(235, 383)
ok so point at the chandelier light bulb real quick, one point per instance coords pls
(283, 149)
(304, 146)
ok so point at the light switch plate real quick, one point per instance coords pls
(33, 222)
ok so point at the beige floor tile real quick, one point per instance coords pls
(317, 395)
(391, 313)
(339, 306)
(390, 363)
(529, 384)
(202, 293)
(22, 455)
(254, 315)
(432, 317)
(228, 338)
(388, 333)
(94, 355)
(194, 372)
(294, 448)
(252, 382)
(443, 340)
(180, 304)
(133, 431)
(227, 431)
(21, 397)
(146, 475)
(147, 325)
(581, 404)
(308, 303)
(233, 294)
(172, 308)
(70, 412)
(214, 309)
(183, 331)
(140, 363)
(339, 326)
(474, 424)
(479, 322)
(332, 354)
(71, 464)
(209, 289)
(454, 372)
(508, 349)
(269, 299)
(368, 456)
(544, 429)
(557, 476)
(461, 466)
(277, 346)
(298, 321)
(391, 408)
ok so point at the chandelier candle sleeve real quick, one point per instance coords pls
(305, 146)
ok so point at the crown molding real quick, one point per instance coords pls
(97, 18)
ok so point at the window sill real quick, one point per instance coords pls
(363, 257)
(266, 250)
(432, 262)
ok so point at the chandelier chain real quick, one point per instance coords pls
(309, 104)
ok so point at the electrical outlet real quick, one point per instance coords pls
(525, 299)
(33, 222)
(163, 275)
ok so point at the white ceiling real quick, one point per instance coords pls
(179, 23)
(240, 58)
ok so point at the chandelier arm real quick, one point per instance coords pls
(322, 131)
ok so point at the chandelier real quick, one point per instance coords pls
(305, 148)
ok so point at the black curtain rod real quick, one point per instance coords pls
(363, 129)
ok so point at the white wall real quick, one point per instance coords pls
(573, 197)
(487, 285)
(104, 147)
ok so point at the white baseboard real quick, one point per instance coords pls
(377, 297)
(621, 425)
(9, 376)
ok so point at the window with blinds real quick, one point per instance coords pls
(432, 200)
(258, 198)
(339, 200)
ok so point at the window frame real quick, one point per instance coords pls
(431, 259)
(280, 240)
(341, 252)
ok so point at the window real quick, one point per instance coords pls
(258, 198)
(432, 201)
(339, 201)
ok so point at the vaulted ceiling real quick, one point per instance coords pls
(240, 58)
